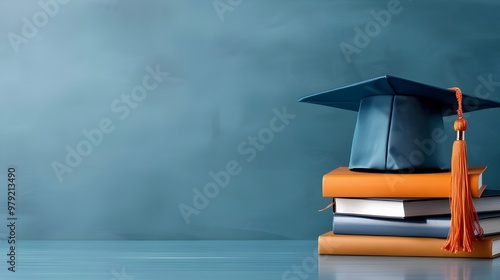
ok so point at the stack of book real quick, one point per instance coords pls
(395, 214)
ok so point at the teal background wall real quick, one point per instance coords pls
(119, 116)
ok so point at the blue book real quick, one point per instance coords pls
(437, 226)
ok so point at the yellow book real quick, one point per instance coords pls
(368, 245)
(343, 182)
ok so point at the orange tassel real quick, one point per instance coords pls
(464, 219)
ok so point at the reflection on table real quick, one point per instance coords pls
(368, 267)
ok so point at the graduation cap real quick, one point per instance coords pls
(400, 123)
(400, 129)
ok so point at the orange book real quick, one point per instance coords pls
(343, 182)
(368, 245)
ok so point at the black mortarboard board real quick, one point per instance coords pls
(400, 122)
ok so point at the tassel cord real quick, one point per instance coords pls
(464, 219)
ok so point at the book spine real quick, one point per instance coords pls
(432, 227)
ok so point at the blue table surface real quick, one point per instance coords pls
(293, 260)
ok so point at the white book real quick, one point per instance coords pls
(411, 207)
